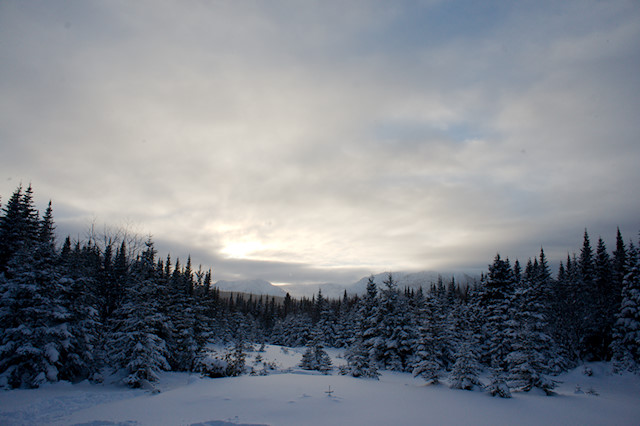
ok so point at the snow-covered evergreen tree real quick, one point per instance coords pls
(395, 331)
(619, 266)
(18, 227)
(498, 386)
(607, 296)
(465, 371)
(41, 338)
(236, 359)
(359, 362)
(315, 357)
(137, 341)
(566, 325)
(495, 305)
(346, 323)
(360, 354)
(187, 336)
(625, 346)
(427, 352)
(531, 350)
(589, 329)
(294, 330)
(325, 324)
(466, 338)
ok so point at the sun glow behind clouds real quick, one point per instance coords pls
(242, 249)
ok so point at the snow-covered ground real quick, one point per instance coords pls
(291, 396)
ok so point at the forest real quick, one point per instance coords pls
(74, 310)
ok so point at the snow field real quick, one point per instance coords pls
(291, 396)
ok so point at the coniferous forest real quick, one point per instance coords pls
(74, 310)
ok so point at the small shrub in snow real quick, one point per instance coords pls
(592, 392)
(270, 365)
(231, 364)
(261, 372)
(236, 360)
(213, 367)
(315, 358)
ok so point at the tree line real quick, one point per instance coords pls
(75, 310)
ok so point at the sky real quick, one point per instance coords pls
(322, 141)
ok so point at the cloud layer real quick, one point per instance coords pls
(315, 141)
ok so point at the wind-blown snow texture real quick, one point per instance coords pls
(292, 396)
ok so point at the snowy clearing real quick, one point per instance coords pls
(291, 396)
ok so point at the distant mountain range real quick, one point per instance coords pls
(251, 286)
(331, 290)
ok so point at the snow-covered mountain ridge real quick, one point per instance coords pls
(332, 290)
(261, 287)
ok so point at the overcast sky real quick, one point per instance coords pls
(303, 141)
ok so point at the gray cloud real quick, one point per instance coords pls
(327, 138)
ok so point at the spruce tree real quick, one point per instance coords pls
(466, 340)
(465, 372)
(325, 320)
(315, 357)
(567, 324)
(360, 355)
(495, 304)
(594, 282)
(137, 342)
(40, 341)
(625, 346)
(427, 351)
(619, 266)
(18, 227)
(183, 313)
(395, 334)
(531, 349)
(606, 298)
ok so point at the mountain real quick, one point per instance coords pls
(329, 290)
(251, 286)
(413, 280)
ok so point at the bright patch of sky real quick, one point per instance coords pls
(323, 141)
